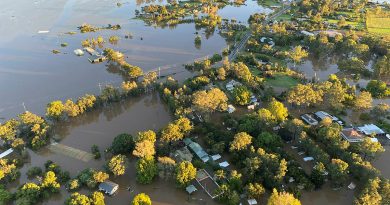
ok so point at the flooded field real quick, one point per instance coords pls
(100, 127)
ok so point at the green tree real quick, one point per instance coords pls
(241, 95)
(278, 110)
(382, 68)
(242, 71)
(221, 73)
(185, 173)
(352, 65)
(378, 89)
(317, 176)
(241, 141)
(100, 176)
(54, 109)
(184, 125)
(338, 170)
(116, 165)
(146, 170)
(284, 198)
(142, 199)
(30, 193)
(122, 144)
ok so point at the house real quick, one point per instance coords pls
(371, 129)
(98, 60)
(230, 85)
(231, 109)
(309, 119)
(352, 135)
(108, 187)
(92, 51)
(320, 115)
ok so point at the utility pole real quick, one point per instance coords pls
(100, 87)
(159, 72)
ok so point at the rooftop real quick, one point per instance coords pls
(370, 129)
(352, 135)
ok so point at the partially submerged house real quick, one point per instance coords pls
(108, 187)
(198, 150)
(231, 109)
(6, 153)
(321, 115)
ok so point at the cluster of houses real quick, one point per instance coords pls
(253, 101)
(97, 56)
(351, 134)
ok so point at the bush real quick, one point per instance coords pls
(364, 117)
(96, 152)
(33, 172)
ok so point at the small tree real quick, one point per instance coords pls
(117, 165)
(282, 198)
(185, 172)
(146, 170)
(241, 141)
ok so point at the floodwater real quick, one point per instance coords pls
(31, 74)
(100, 127)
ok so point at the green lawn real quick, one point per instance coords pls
(352, 23)
(378, 25)
(284, 17)
(269, 3)
(281, 80)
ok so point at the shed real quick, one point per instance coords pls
(309, 119)
(191, 188)
(108, 187)
(252, 201)
(224, 164)
(306, 159)
(78, 52)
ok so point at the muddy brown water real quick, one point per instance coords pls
(31, 74)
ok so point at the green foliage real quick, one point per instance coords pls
(278, 198)
(278, 110)
(33, 172)
(241, 95)
(122, 144)
(241, 141)
(146, 170)
(78, 199)
(117, 165)
(55, 109)
(378, 89)
(5, 196)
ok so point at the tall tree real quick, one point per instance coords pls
(210, 101)
(241, 141)
(142, 199)
(278, 110)
(363, 101)
(117, 165)
(185, 173)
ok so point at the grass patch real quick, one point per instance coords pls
(281, 80)
(284, 17)
(269, 3)
(378, 23)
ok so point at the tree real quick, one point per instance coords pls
(122, 144)
(5, 196)
(142, 199)
(242, 71)
(304, 95)
(144, 148)
(297, 53)
(100, 176)
(117, 165)
(210, 101)
(370, 148)
(29, 192)
(370, 194)
(71, 109)
(184, 125)
(149, 135)
(146, 170)
(50, 183)
(378, 89)
(54, 109)
(363, 101)
(78, 199)
(241, 95)
(269, 140)
(382, 68)
(255, 191)
(266, 117)
(278, 110)
(171, 133)
(318, 175)
(221, 73)
(185, 173)
(241, 141)
(97, 198)
(282, 198)
(338, 170)
(352, 65)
